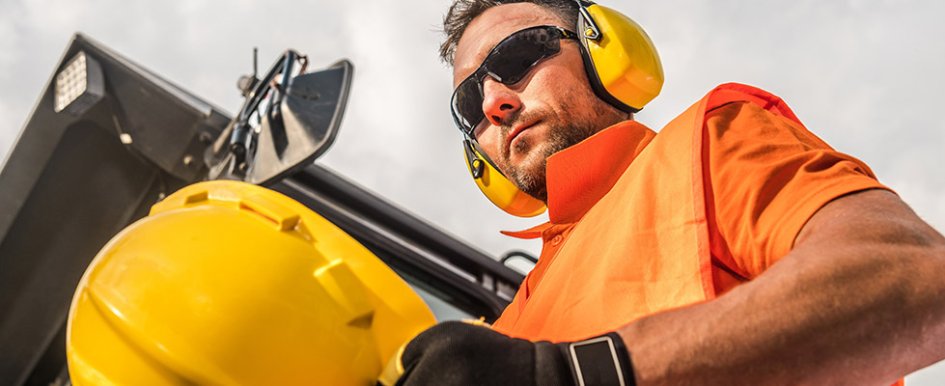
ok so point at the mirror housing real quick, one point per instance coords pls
(297, 124)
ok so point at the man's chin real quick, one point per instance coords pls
(526, 164)
(529, 173)
(530, 181)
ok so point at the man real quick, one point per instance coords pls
(734, 247)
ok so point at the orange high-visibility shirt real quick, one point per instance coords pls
(643, 222)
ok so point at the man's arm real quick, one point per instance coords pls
(860, 299)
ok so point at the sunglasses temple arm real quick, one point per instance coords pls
(592, 32)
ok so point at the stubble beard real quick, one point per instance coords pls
(530, 175)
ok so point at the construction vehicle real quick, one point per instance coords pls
(108, 139)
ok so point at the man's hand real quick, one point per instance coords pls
(456, 353)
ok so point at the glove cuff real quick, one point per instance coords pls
(551, 366)
(599, 361)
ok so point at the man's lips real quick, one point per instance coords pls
(516, 130)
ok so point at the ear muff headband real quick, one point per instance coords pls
(502, 192)
(621, 62)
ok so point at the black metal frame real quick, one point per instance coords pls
(474, 281)
(240, 140)
(71, 183)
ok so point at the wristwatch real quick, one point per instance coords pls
(600, 361)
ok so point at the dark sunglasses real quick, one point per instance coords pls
(508, 63)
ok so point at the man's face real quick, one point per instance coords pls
(550, 109)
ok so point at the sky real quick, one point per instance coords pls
(866, 76)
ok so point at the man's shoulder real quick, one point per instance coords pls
(742, 93)
(728, 94)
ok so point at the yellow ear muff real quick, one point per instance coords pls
(621, 61)
(502, 192)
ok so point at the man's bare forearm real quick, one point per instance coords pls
(859, 300)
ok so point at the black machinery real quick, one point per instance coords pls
(108, 138)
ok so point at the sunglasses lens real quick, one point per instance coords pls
(514, 57)
(467, 105)
(508, 62)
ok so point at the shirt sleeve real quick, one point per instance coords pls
(766, 175)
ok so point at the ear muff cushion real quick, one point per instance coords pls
(622, 65)
(498, 189)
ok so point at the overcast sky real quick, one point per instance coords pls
(866, 76)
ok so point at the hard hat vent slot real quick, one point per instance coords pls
(252, 210)
(363, 321)
(197, 197)
(282, 218)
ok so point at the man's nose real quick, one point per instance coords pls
(499, 103)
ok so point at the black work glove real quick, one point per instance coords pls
(457, 353)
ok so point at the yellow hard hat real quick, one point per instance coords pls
(230, 283)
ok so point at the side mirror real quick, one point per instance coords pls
(288, 120)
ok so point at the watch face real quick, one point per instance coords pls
(595, 362)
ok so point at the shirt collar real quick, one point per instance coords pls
(530, 233)
(579, 176)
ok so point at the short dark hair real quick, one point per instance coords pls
(462, 12)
